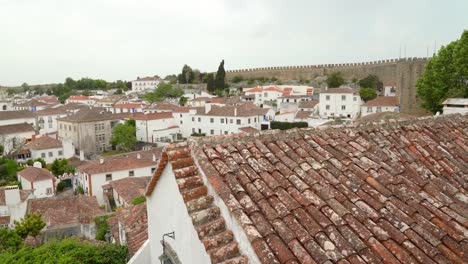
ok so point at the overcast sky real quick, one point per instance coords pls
(45, 41)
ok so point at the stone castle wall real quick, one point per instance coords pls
(401, 72)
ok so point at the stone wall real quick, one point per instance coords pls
(402, 72)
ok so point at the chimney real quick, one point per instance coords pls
(207, 107)
(101, 161)
(154, 158)
(138, 156)
(235, 111)
(12, 195)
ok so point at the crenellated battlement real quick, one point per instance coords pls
(328, 66)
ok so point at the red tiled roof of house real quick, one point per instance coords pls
(31, 103)
(383, 101)
(64, 211)
(44, 142)
(33, 174)
(135, 223)
(338, 90)
(183, 109)
(130, 188)
(303, 114)
(248, 129)
(16, 128)
(308, 104)
(273, 89)
(254, 90)
(261, 89)
(148, 79)
(113, 223)
(164, 106)
(4, 220)
(125, 161)
(391, 193)
(207, 220)
(8, 115)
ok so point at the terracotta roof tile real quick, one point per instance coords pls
(44, 142)
(33, 174)
(16, 128)
(134, 221)
(130, 188)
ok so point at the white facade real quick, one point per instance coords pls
(41, 188)
(455, 106)
(79, 99)
(48, 123)
(263, 95)
(14, 207)
(30, 120)
(92, 184)
(154, 130)
(147, 83)
(346, 105)
(368, 110)
(6, 106)
(390, 90)
(166, 213)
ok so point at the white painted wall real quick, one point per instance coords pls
(150, 130)
(166, 213)
(31, 121)
(368, 110)
(141, 85)
(39, 187)
(455, 110)
(334, 101)
(143, 255)
(49, 123)
(45, 154)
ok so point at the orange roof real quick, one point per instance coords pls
(79, 97)
(33, 174)
(255, 90)
(383, 101)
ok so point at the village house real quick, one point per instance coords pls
(66, 216)
(32, 105)
(12, 205)
(92, 175)
(90, 130)
(13, 137)
(121, 193)
(39, 180)
(156, 127)
(146, 83)
(380, 104)
(380, 193)
(127, 108)
(81, 99)
(290, 103)
(339, 103)
(390, 90)
(5, 105)
(46, 147)
(264, 95)
(17, 117)
(310, 106)
(455, 105)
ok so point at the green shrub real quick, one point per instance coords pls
(139, 200)
(101, 226)
(61, 186)
(287, 125)
(79, 190)
(198, 134)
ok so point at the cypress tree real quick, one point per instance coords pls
(220, 77)
(210, 85)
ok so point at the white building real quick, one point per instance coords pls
(39, 180)
(380, 104)
(125, 190)
(390, 90)
(6, 106)
(455, 105)
(13, 204)
(146, 83)
(290, 103)
(13, 137)
(127, 108)
(92, 175)
(47, 119)
(81, 99)
(264, 95)
(16, 117)
(339, 102)
(48, 148)
(156, 127)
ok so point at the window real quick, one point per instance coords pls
(181, 122)
(231, 121)
(153, 170)
(343, 107)
(193, 130)
(100, 137)
(248, 120)
(51, 154)
(49, 191)
(180, 115)
(43, 155)
(238, 121)
(327, 97)
(193, 119)
(99, 126)
(211, 120)
(50, 125)
(255, 119)
(199, 119)
(212, 132)
(265, 94)
(327, 107)
(343, 98)
(108, 177)
(60, 153)
(131, 173)
(225, 132)
(369, 109)
(355, 98)
(69, 127)
(222, 120)
(379, 109)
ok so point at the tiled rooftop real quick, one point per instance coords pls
(44, 142)
(33, 174)
(129, 188)
(135, 223)
(383, 101)
(391, 193)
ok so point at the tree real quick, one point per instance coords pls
(371, 81)
(335, 80)
(164, 90)
(182, 101)
(124, 136)
(60, 167)
(210, 85)
(367, 94)
(237, 79)
(69, 250)
(445, 75)
(220, 83)
(31, 225)
(186, 76)
(119, 91)
(9, 240)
